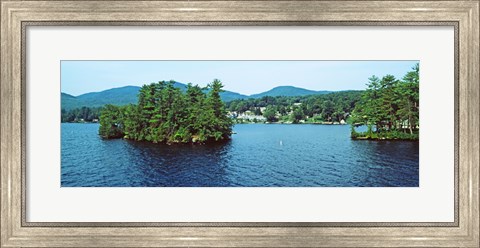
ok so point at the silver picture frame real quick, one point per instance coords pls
(17, 16)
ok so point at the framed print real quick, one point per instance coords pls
(239, 123)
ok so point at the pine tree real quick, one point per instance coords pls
(165, 114)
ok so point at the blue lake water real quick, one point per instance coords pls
(258, 155)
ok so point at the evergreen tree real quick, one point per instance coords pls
(390, 106)
(221, 124)
(165, 114)
(111, 125)
(270, 114)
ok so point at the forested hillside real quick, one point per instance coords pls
(324, 108)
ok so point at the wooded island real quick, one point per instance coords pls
(389, 108)
(166, 114)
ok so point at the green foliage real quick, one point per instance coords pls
(391, 106)
(111, 125)
(384, 135)
(83, 114)
(165, 113)
(297, 115)
(331, 107)
(270, 113)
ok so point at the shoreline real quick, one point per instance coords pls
(359, 138)
(383, 139)
(385, 136)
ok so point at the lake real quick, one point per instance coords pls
(258, 155)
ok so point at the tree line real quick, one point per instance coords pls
(166, 114)
(330, 107)
(83, 114)
(389, 107)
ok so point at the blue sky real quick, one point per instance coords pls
(245, 77)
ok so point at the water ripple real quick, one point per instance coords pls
(257, 156)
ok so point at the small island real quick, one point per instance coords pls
(389, 108)
(166, 114)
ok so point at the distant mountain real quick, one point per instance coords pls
(117, 96)
(288, 91)
(228, 96)
(122, 96)
(128, 94)
(68, 100)
(67, 96)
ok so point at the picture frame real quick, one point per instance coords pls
(17, 15)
